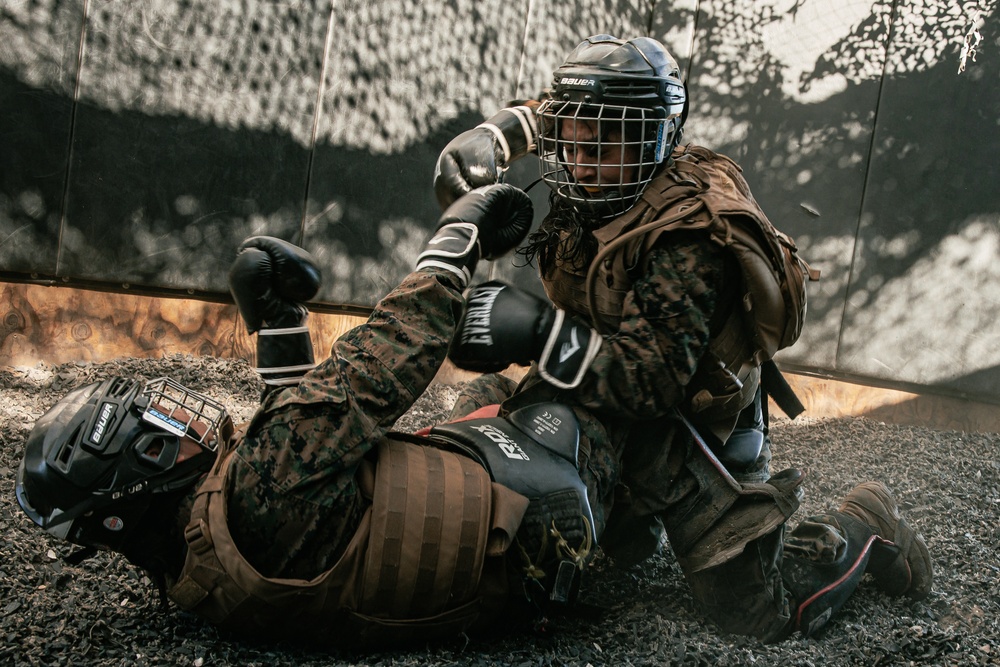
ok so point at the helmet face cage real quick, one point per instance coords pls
(599, 157)
(91, 468)
(628, 97)
(183, 412)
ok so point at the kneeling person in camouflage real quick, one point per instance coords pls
(315, 521)
(669, 292)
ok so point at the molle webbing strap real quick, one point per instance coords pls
(218, 584)
(430, 523)
(203, 575)
(777, 387)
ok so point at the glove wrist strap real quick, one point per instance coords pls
(284, 355)
(569, 351)
(455, 248)
(515, 130)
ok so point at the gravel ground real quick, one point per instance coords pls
(106, 613)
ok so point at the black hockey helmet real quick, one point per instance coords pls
(632, 93)
(95, 460)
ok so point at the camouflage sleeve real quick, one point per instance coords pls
(643, 368)
(293, 499)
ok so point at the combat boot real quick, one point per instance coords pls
(900, 562)
(826, 557)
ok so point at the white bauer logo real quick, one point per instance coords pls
(107, 410)
(571, 81)
(510, 448)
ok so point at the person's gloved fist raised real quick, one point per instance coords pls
(502, 325)
(270, 281)
(485, 223)
(478, 156)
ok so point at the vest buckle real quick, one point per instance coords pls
(198, 538)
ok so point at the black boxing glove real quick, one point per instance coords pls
(486, 223)
(271, 280)
(479, 156)
(502, 325)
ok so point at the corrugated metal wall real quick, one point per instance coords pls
(141, 141)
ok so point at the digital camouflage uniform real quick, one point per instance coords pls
(635, 383)
(673, 263)
(294, 499)
(634, 394)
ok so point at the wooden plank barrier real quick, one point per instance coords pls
(829, 397)
(62, 324)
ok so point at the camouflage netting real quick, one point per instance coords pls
(389, 73)
(184, 126)
(105, 613)
(394, 71)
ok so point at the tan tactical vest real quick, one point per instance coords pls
(702, 191)
(426, 560)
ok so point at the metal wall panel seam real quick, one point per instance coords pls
(317, 111)
(864, 188)
(72, 131)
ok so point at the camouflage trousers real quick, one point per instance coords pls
(644, 479)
